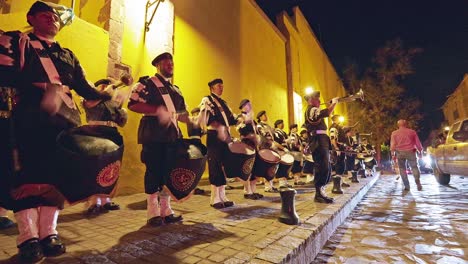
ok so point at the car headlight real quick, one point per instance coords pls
(427, 160)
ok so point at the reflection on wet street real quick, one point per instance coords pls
(394, 226)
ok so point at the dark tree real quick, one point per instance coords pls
(385, 99)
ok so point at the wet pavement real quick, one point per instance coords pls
(393, 226)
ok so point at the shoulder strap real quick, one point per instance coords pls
(221, 109)
(167, 100)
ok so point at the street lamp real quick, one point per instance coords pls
(447, 128)
(309, 90)
(341, 119)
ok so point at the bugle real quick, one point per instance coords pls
(350, 98)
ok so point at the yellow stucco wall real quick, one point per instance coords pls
(234, 41)
(457, 102)
(310, 65)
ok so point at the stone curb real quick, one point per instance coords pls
(294, 248)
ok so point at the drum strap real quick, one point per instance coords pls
(167, 100)
(221, 109)
(51, 71)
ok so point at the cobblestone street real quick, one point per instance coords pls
(246, 233)
(392, 226)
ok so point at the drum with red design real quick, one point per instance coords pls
(89, 159)
(188, 170)
(285, 165)
(266, 164)
(239, 160)
(308, 167)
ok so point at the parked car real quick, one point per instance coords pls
(451, 157)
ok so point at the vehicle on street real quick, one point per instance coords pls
(451, 157)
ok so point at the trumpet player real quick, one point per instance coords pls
(319, 142)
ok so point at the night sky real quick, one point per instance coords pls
(351, 31)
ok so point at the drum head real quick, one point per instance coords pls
(309, 158)
(287, 159)
(269, 155)
(241, 148)
(369, 159)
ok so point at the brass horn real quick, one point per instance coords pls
(351, 98)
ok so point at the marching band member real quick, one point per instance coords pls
(218, 117)
(108, 115)
(266, 141)
(247, 131)
(349, 145)
(319, 142)
(308, 165)
(295, 146)
(41, 70)
(338, 139)
(281, 146)
(195, 133)
(163, 106)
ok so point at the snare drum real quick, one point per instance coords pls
(239, 160)
(266, 164)
(285, 165)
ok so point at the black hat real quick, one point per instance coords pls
(160, 57)
(40, 6)
(243, 102)
(303, 131)
(292, 126)
(195, 110)
(279, 121)
(263, 112)
(347, 129)
(214, 82)
(102, 81)
(315, 94)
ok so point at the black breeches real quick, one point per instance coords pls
(322, 164)
(350, 160)
(159, 158)
(340, 164)
(216, 150)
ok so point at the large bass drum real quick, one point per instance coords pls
(188, 170)
(308, 167)
(266, 164)
(285, 165)
(89, 158)
(370, 162)
(239, 160)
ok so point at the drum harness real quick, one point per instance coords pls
(167, 101)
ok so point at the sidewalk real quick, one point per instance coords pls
(246, 233)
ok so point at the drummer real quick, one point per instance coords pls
(338, 140)
(163, 106)
(109, 115)
(218, 118)
(308, 164)
(37, 122)
(247, 131)
(349, 144)
(295, 146)
(266, 133)
(281, 146)
(195, 133)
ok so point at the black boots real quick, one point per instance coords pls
(320, 197)
(354, 176)
(337, 185)
(288, 210)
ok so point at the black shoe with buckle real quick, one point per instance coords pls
(323, 199)
(219, 205)
(198, 191)
(258, 195)
(172, 218)
(111, 206)
(30, 251)
(250, 196)
(5, 222)
(52, 246)
(155, 221)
